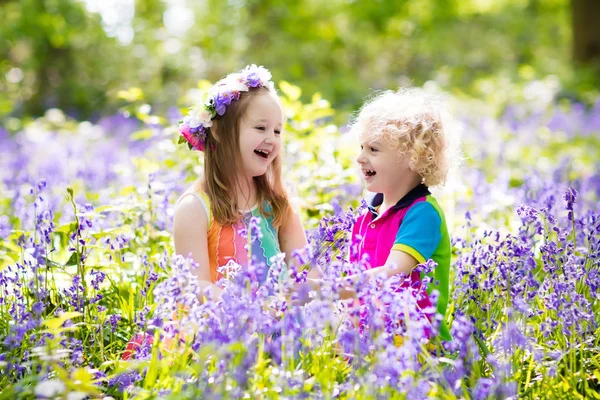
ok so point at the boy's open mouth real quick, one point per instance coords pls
(369, 172)
(262, 153)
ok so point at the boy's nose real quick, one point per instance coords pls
(361, 158)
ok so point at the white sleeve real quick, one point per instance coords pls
(203, 201)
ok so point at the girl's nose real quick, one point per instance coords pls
(270, 137)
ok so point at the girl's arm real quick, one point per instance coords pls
(291, 235)
(190, 227)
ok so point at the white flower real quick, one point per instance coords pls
(230, 270)
(233, 85)
(198, 116)
(50, 388)
(263, 73)
(76, 396)
(235, 77)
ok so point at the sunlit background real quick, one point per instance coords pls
(75, 55)
(90, 171)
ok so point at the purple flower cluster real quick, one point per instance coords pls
(82, 276)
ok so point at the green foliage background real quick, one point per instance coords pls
(515, 89)
(55, 53)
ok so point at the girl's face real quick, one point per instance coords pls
(382, 167)
(260, 134)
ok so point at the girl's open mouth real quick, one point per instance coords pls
(262, 153)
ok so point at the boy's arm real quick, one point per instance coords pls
(397, 262)
(416, 240)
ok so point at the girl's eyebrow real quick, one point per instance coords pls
(265, 120)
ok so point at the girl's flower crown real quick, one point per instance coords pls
(196, 124)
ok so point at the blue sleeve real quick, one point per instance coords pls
(420, 232)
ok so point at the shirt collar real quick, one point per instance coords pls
(417, 192)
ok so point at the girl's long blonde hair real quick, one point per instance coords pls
(221, 163)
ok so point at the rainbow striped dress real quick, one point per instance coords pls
(253, 237)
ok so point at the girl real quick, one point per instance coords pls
(239, 129)
(404, 151)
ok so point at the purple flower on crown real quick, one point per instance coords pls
(196, 124)
(253, 79)
(221, 101)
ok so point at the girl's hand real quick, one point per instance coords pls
(209, 292)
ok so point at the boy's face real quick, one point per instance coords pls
(260, 134)
(382, 167)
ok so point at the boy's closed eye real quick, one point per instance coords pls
(371, 149)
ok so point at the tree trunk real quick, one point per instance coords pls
(586, 30)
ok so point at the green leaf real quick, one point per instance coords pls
(10, 246)
(121, 230)
(144, 134)
(52, 264)
(73, 260)
(57, 322)
(131, 95)
(107, 209)
(7, 259)
(290, 91)
(66, 228)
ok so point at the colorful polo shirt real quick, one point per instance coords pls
(415, 225)
(230, 242)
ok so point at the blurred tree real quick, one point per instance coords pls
(586, 30)
(54, 54)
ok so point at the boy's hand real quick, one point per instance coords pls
(300, 294)
(272, 309)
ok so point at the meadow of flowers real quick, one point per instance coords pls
(86, 263)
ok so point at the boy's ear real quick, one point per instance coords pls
(411, 165)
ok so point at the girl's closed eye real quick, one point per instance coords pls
(260, 128)
(277, 132)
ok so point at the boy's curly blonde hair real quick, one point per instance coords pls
(410, 120)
